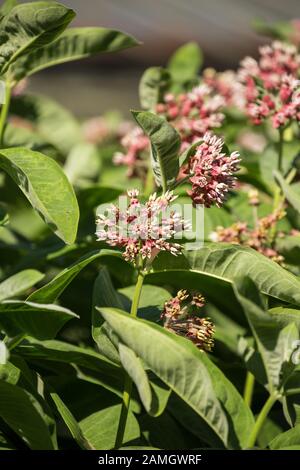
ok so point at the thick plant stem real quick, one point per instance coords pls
(261, 419)
(249, 388)
(128, 381)
(280, 150)
(4, 111)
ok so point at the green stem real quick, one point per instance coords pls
(280, 150)
(14, 342)
(261, 419)
(249, 388)
(128, 381)
(4, 111)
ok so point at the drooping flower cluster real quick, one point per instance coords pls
(135, 142)
(211, 172)
(142, 229)
(181, 316)
(259, 238)
(193, 113)
(271, 85)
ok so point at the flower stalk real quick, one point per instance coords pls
(261, 418)
(128, 381)
(4, 111)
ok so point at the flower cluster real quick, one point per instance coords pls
(225, 84)
(258, 238)
(271, 85)
(180, 316)
(142, 229)
(193, 113)
(211, 172)
(135, 142)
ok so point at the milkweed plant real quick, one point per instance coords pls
(121, 326)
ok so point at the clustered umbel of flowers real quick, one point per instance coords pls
(211, 171)
(193, 113)
(271, 84)
(260, 238)
(181, 316)
(142, 229)
(135, 142)
(227, 85)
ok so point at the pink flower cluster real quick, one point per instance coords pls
(142, 229)
(258, 238)
(135, 142)
(180, 316)
(271, 85)
(211, 172)
(226, 85)
(193, 113)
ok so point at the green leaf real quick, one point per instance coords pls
(175, 361)
(73, 44)
(165, 146)
(101, 427)
(38, 320)
(41, 321)
(275, 344)
(51, 120)
(70, 422)
(51, 291)
(46, 187)
(185, 63)
(7, 6)
(23, 413)
(291, 195)
(83, 164)
(28, 27)
(290, 438)
(110, 375)
(19, 283)
(153, 85)
(4, 217)
(212, 270)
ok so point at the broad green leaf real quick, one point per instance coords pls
(18, 136)
(185, 63)
(23, 413)
(73, 44)
(134, 368)
(175, 361)
(289, 192)
(286, 315)
(51, 291)
(42, 321)
(19, 283)
(28, 27)
(269, 431)
(101, 427)
(151, 302)
(108, 375)
(212, 270)
(7, 6)
(275, 344)
(268, 161)
(153, 85)
(55, 124)
(46, 187)
(93, 196)
(289, 248)
(83, 164)
(70, 422)
(290, 438)
(165, 146)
